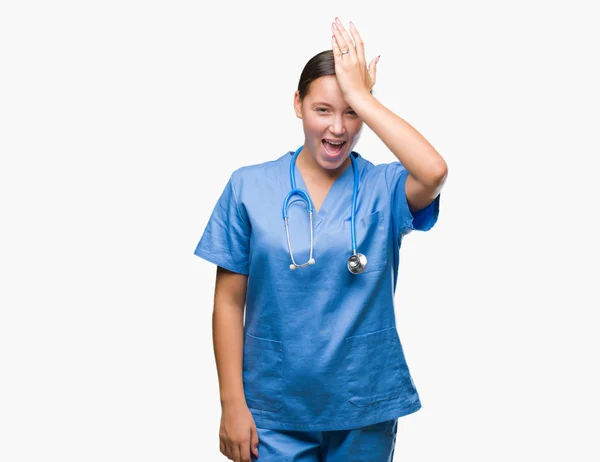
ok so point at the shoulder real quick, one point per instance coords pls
(249, 176)
(380, 173)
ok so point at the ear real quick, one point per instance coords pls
(297, 104)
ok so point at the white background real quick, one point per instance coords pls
(120, 123)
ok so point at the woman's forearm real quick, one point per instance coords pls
(228, 341)
(411, 148)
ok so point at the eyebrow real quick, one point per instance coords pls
(316, 103)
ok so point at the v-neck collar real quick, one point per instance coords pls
(335, 190)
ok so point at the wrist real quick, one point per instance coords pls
(359, 98)
(233, 401)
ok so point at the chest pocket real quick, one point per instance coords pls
(371, 239)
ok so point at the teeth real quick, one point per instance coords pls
(335, 144)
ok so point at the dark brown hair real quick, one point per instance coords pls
(321, 64)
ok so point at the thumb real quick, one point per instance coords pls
(254, 442)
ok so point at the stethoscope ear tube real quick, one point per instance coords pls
(311, 260)
(357, 261)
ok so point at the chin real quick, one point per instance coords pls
(331, 164)
(335, 162)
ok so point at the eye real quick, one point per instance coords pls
(319, 109)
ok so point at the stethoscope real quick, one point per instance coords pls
(357, 261)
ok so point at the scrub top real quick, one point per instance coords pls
(321, 348)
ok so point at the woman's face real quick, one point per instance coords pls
(326, 115)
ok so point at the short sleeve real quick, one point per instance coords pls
(404, 221)
(226, 239)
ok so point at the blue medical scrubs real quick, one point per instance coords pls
(321, 348)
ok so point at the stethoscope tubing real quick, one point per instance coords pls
(306, 197)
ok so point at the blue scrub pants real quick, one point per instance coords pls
(373, 443)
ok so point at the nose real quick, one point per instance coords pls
(337, 126)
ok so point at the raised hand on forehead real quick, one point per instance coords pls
(351, 71)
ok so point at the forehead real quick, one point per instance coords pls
(326, 90)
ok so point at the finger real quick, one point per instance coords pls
(225, 447)
(359, 44)
(237, 453)
(337, 53)
(373, 69)
(254, 441)
(345, 45)
(345, 34)
(229, 449)
(339, 39)
(246, 450)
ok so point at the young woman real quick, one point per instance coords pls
(307, 246)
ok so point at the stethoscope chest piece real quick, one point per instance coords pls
(357, 263)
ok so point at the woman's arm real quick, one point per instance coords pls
(427, 170)
(237, 433)
(228, 334)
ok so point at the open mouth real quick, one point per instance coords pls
(333, 149)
